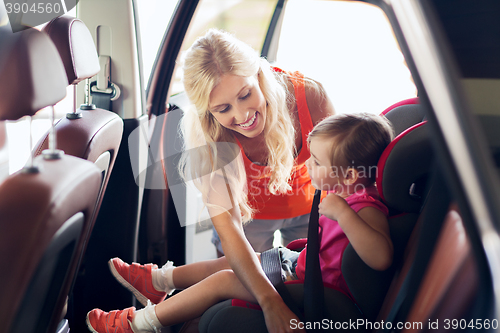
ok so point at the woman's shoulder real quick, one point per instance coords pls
(319, 104)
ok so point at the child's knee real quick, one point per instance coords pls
(220, 264)
(225, 276)
(223, 282)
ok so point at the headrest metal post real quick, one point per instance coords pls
(52, 153)
(87, 105)
(30, 166)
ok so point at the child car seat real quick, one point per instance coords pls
(404, 114)
(401, 179)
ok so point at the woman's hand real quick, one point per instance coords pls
(279, 318)
(333, 206)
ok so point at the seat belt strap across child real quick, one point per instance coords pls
(313, 281)
(314, 299)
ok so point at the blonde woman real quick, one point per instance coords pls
(242, 107)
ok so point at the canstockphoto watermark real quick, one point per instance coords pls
(358, 324)
(430, 324)
(24, 14)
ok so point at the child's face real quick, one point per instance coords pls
(319, 166)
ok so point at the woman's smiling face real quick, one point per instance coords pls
(238, 104)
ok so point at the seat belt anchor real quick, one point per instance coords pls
(103, 83)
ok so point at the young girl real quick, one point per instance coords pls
(344, 153)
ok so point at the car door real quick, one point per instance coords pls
(173, 226)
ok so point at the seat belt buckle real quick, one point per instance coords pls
(103, 83)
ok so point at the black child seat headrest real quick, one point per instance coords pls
(403, 169)
(404, 114)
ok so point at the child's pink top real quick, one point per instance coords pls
(333, 241)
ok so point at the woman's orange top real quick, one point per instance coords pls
(298, 201)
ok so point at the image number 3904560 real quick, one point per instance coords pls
(24, 14)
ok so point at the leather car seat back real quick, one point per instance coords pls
(44, 209)
(97, 134)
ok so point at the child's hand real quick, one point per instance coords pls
(333, 206)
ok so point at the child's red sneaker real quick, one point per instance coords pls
(137, 278)
(117, 321)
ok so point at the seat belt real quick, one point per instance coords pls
(313, 280)
(433, 214)
(314, 299)
(271, 263)
(103, 91)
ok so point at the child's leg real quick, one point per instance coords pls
(186, 305)
(195, 300)
(187, 275)
(149, 282)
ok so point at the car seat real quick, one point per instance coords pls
(401, 180)
(440, 277)
(404, 114)
(47, 206)
(88, 132)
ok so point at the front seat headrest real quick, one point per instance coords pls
(403, 169)
(76, 47)
(31, 72)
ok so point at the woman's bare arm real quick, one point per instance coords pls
(244, 261)
(319, 104)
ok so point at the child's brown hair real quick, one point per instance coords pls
(359, 140)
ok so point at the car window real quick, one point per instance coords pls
(350, 48)
(154, 17)
(248, 20)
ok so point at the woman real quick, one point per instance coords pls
(240, 99)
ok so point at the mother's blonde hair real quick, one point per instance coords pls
(210, 57)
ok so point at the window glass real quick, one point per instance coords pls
(350, 48)
(18, 132)
(154, 17)
(248, 20)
